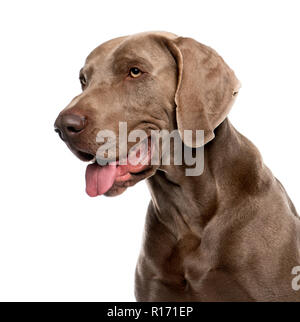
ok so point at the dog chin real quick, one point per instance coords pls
(119, 187)
(115, 191)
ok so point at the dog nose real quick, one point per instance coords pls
(69, 125)
(73, 123)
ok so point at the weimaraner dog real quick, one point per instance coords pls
(229, 234)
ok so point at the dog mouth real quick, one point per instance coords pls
(84, 156)
(114, 177)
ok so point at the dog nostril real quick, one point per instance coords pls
(73, 123)
(72, 129)
(59, 133)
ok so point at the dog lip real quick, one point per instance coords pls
(82, 155)
(87, 156)
(118, 158)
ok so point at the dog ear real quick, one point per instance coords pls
(206, 88)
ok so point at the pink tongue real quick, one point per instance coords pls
(99, 179)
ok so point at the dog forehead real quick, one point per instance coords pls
(104, 49)
(137, 44)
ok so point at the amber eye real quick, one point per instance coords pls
(135, 72)
(82, 81)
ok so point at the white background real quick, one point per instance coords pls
(56, 243)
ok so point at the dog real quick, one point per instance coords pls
(229, 234)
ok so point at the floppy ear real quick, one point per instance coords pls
(206, 88)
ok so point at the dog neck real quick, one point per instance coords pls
(232, 166)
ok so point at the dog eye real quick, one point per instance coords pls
(135, 72)
(82, 80)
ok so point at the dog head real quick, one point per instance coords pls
(149, 81)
